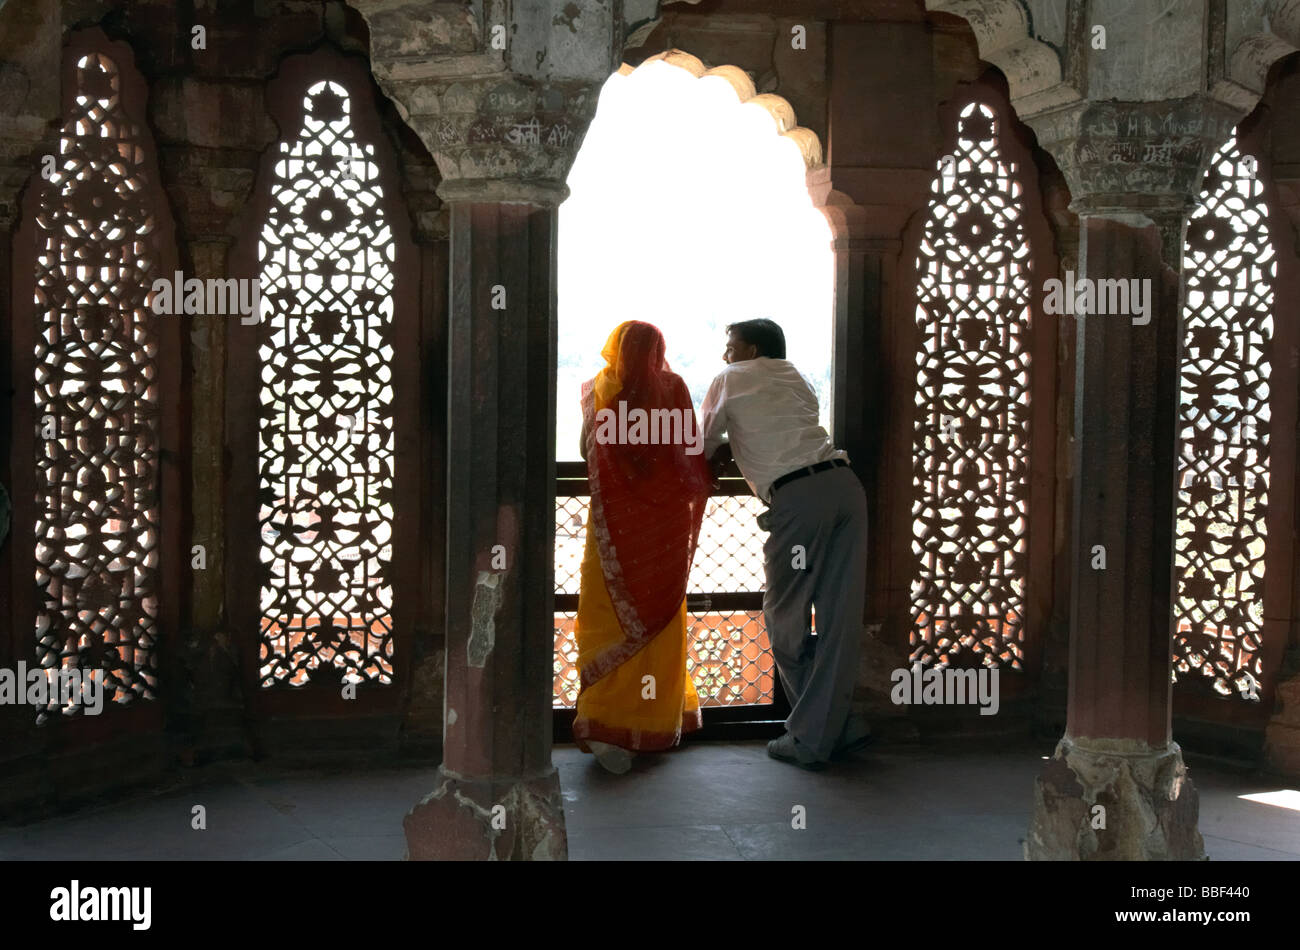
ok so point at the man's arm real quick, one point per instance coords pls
(713, 425)
(713, 415)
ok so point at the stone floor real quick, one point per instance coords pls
(711, 801)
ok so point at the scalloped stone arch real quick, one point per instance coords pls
(1249, 62)
(780, 111)
(1032, 68)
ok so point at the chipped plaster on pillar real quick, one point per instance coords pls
(462, 811)
(488, 594)
(1149, 809)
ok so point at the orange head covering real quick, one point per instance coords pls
(634, 365)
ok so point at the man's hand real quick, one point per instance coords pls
(721, 459)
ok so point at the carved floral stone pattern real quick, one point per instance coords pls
(971, 430)
(1223, 444)
(327, 445)
(97, 399)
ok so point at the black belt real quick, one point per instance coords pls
(810, 470)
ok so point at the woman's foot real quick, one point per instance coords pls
(612, 758)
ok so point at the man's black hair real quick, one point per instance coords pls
(762, 333)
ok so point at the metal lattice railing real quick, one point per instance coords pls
(728, 557)
(729, 659)
(729, 656)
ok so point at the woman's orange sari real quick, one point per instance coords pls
(647, 503)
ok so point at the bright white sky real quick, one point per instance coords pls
(689, 211)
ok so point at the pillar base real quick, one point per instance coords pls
(460, 821)
(1282, 734)
(1150, 804)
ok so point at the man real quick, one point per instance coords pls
(816, 554)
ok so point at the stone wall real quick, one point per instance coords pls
(871, 80)
(210, 122)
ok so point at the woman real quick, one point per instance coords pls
(647, 502)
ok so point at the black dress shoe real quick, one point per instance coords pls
(785, 750)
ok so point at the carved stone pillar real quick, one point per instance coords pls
(501, 96)
(498, 795)
(1117, 787)
(864, 418)
(1282, 732)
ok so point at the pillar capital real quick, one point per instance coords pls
(546, 194)
(500, 127)
(504, 90)
(1134, 156)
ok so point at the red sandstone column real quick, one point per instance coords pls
(1282, 104)
(1116, 787)
(497, 795)
(1282, 733)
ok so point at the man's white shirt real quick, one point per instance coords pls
(768, 411)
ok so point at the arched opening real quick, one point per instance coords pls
(689, 209)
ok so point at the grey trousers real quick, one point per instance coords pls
(816, 558)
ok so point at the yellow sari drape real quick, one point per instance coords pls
(623, 707)
(614, 708)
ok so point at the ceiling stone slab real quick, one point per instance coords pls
(1271, 30)
(1032, 68)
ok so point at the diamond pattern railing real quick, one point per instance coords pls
(566, 660)
(729, 556)
(728, 656)
(729, 659)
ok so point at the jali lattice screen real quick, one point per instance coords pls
(97, 397)
(1223, 443)
(971, 432)
(327, 445)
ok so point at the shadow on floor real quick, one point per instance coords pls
(705, 801)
